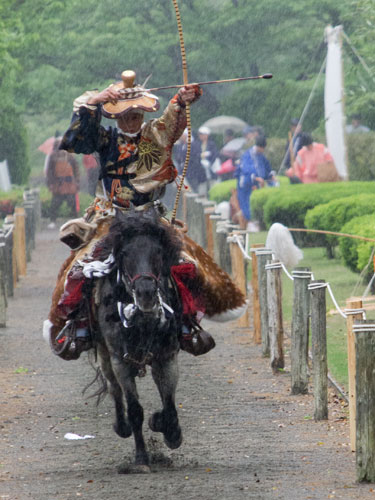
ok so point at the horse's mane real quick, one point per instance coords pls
(127, 226)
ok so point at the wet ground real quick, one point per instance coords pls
(245, 436)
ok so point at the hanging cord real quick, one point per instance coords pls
(306, 109)
(360, 58)
(187, 110)
(287, 113)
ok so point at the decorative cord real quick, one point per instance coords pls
(187, 110)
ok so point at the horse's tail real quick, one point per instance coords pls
(102, 391)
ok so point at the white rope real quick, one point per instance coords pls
(317, 286)
(236, 239)
(286, 271)
(273, 265)
(370, 327)
(359, 57)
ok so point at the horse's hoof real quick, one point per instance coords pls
(155, 422)
(174, 440)
(133, 469)
(123, 430)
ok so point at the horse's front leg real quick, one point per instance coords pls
(165, 374)
(125, 376)
(121, 425)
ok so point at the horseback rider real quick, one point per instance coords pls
(136, 165)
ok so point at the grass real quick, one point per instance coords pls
(344, 283)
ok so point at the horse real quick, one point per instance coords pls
(139, 321)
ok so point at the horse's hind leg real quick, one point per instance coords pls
(121, 425)
(165, 374)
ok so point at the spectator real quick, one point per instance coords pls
(228, 136)
(356, 127)
(203, 155)
(92, 171)
(294, 143)
(312, 159)
(254, 171)
(62, 177)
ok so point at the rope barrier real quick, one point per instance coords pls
(236, 239)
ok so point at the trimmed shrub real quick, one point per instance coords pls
(289, 205)
(222, 190)
(356, 253)
(333, 215)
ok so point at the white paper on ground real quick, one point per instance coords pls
(72, 437)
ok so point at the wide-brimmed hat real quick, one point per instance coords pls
(134, 97)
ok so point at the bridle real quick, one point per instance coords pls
(127, 311)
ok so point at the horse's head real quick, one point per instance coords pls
(144, 249)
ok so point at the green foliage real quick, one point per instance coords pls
(45, 199)
(333, 215)
(361, 154)
(289, 204)
(357, 253)
(275, 152)
(222, 190)
(272, 103)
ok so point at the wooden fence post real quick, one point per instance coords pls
(189, 200)
(255, 286)
(239, 266)
(275, 314)
(20, 240)
(319, 348)
(10, 268)
(216, 249)
(354, 312)
(225, 260)
(209, 236)
(3, 293)
(205, 205)
(262, 256)
(29, 228)
(364, 332)
(300, 330)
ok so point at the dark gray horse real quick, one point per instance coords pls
(139, 318)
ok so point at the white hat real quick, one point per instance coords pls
(204, 130)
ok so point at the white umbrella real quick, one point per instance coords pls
(219, 124)
(234, 145)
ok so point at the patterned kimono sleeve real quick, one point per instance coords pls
(85, 134)
(167, 129)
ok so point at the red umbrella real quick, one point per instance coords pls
(47, 146)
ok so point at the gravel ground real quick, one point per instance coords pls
(245, 436)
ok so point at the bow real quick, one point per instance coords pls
(187, 109)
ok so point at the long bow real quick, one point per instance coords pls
(188, 118)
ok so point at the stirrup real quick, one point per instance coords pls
(197, 342)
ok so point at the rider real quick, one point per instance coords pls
(136, 165)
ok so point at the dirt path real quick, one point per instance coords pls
(244, 435)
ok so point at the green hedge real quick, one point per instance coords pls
(333, 215)
(357, 253)
(222, 191)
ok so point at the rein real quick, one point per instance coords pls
(145, 274)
